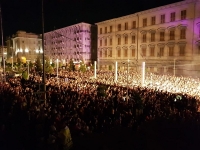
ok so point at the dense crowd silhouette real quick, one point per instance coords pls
(99, 108)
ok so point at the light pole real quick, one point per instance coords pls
(57, 67)
(4, 70)
(174, 67)
(43, 58)
(127, 78)
(12, 62)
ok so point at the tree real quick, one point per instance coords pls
(25, 75)
(82, 67)
(38, 65)
(48, 67)
(71, 65)
(31, 65)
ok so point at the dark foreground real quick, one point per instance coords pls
(155, 135)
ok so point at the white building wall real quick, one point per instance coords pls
(154, 62)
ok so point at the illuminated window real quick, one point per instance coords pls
(144, 22)
(119, 27)
(172, 35)
(105, 29)
(162, 36)
(172, 16)
(153, 20)
(106, 42)
(152, 51)
(144, 52)
(110, 41)
(119, 53)
(133, 38)
(133, 52)
(119, 41)
(171, 51)
(126, 25)
(183, 14)
(183, 33)
(153, 37)
(162, 19)
(182, 50)
(161, 51)
(110, 28)
(126, 40)
(126, 53)
(144, 38)
(100, 42)
(100, 30)
(133, 24)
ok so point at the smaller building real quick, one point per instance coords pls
(76, 42)
(24, 46)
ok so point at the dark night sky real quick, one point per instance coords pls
(26, 14)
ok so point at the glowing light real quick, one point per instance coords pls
(26, 50)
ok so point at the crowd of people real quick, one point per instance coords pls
(73, 100)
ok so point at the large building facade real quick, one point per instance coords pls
(76, 42)
(24, 46)
(167, 38)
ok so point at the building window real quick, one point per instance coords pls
(126, 40)
(144, 38)
(105, 29)
(105, 42)
(110, 53)
(133, 38)
(144, 52)
(172, 16)
(183, 14)
(126, 53)
(161, 51)
(119, 41)
(182, 33)
(105, 53)
(171, 51)
(144, 22)
(152, 51)
(110, 41)
(153, 37)
(100, 53)
(182, 51)
(133, 52)
(172, 35)
(153, 20)
(199, 31)
(100, 30)
(162, 36)
(126, 25)
(133, 24)
(110, 28)
(162, 19)
(119, 53)
(119, 27)
(198, 50)
(100, 42)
